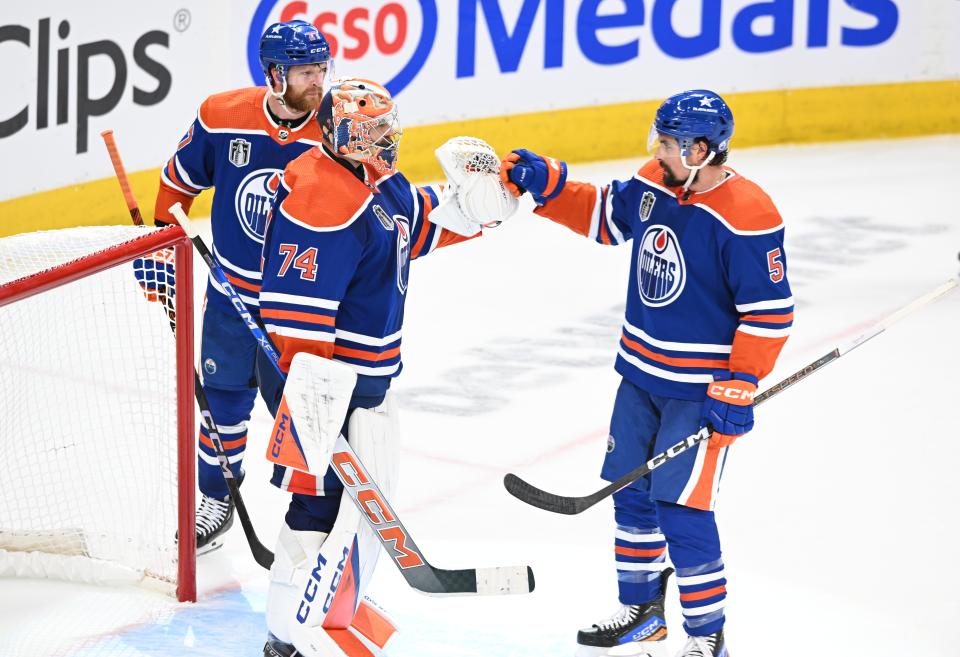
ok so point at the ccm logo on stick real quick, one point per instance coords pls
(377, 510)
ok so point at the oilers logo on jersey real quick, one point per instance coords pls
(252, 201)
(403, 251)
(239, 152)
(661, 271)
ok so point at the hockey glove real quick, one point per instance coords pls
(155, 274)
(729, 406)
(523, 171)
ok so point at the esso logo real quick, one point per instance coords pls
(387, 41)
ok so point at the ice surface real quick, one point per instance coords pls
(837, 513)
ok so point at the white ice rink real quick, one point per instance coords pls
(838, 513)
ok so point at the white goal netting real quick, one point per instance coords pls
(88, 414)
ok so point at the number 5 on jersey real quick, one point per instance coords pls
(774, 263)
(305, 262)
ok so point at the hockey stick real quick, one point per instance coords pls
(537, 497)
(261, 554)
(366, 494)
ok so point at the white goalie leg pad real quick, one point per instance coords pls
(375, 438)
(352, 549)
(475, 196)
(294, 559)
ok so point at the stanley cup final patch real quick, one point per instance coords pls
(384, 218)
(646, 205)
(239, 152)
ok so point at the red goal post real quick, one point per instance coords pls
(98, 475)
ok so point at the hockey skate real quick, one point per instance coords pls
(274, 647)
(214, 518)
(711, 645)
(634, 631)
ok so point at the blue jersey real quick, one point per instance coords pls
(336, 262)
(237, 148)
(708, 283)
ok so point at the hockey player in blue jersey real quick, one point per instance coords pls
(708, 311)
(238, 141)
(344, 227)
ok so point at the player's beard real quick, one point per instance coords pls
(672, 181)
(305, 101)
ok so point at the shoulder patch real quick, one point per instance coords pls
(323, 195)
(240, 109)
(743, 207)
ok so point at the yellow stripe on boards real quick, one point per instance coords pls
(603, 132)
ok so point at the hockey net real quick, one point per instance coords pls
(97, 451)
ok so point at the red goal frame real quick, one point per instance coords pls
(186, 439)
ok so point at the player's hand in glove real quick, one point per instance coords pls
(156, 275)
(523, 171)
(729, 406)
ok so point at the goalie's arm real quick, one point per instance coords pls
(427, 236)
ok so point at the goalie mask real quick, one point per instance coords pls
(359, 121)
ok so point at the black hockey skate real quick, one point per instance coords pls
(634, 630)
(711, 645)
(274, 647)
(214, 518)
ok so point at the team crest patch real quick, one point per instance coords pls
(646, 205)
(661, 271)
(210, 366)
(384, 218)
(611, 444)
(239, 152)
(403, 252)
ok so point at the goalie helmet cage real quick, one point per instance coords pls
(97, 443)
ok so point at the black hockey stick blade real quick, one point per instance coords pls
(526, 492)
(503, 580)
(261, 554)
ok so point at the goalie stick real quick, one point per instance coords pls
(261, 554)
(366, 494)
(530, 494)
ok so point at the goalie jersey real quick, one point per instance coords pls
(708, 286)
(235, 146)
(336, 264)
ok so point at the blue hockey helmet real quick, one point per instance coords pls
(695, 114)
(290, 44)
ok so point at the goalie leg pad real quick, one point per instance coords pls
(349, 555)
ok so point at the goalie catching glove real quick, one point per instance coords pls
(474, 197)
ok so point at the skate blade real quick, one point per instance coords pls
(215, 544)
(632, 649)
